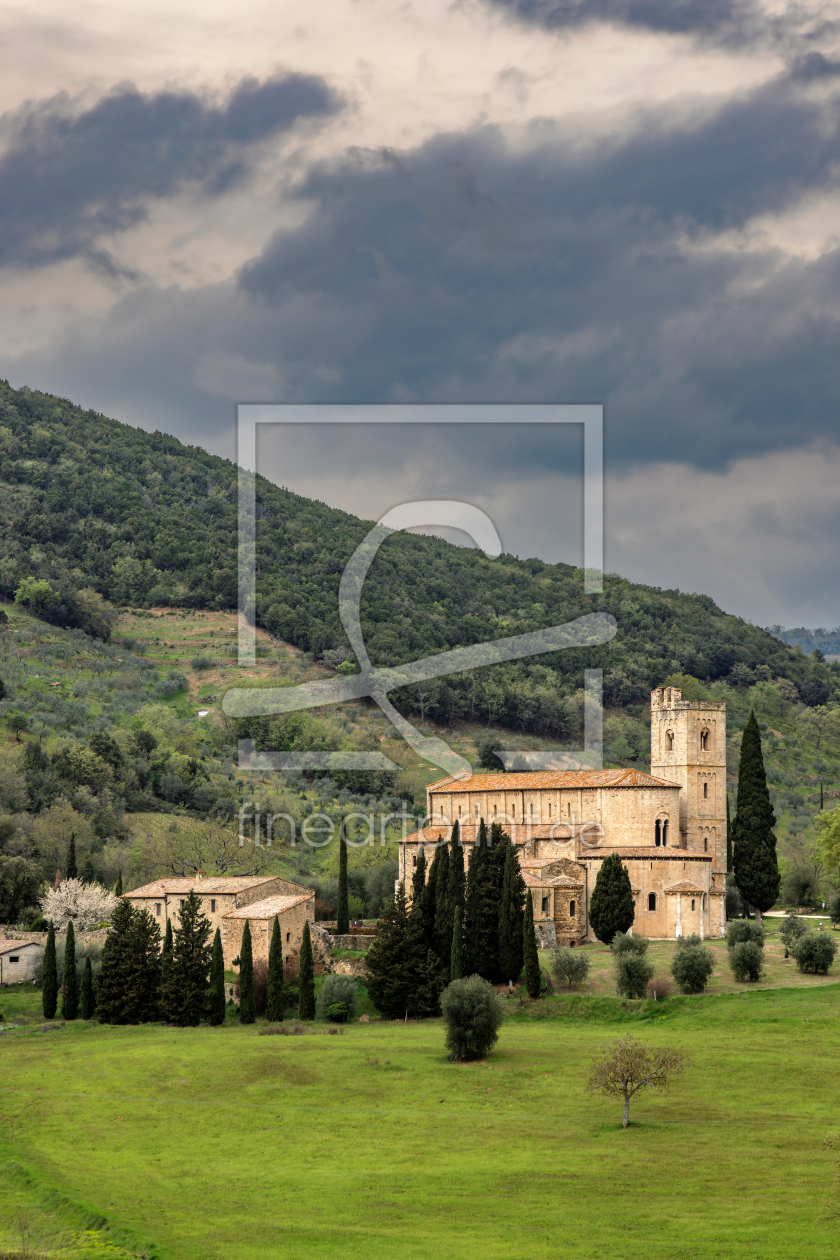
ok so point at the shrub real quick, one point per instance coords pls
(623, 943)
(691, 967)
(472, 1013)
(791, 930)
(338, 1012)
(689, 942)
(660, 987)
(744, 930)
(745, 959)
(570, 966)
(337, 991)
(632, 973)
(814, 952)
(201, 662)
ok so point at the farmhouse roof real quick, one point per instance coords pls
(11, 947)
(269, 907)
(522, 781)
(685, 887)
(179, 884)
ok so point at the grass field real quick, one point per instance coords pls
(209, 1143)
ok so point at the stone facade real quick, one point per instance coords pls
(292, 912)
(220, 895)
(668, 828)
(19, 960)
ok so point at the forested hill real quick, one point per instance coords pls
(88, 502)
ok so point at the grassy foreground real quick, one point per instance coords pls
(206, 1143)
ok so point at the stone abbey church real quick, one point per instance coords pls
(668, 827)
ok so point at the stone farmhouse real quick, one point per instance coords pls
(19, 961)
(668, 827)
(229, 901)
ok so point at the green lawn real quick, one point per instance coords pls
(205, 1143)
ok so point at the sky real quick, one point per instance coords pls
(625, 202)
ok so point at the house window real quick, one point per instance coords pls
(212, 907)
(705, 791)
(572, 909)
(651, 901)
(157, 908)
(181, 903)
(288, 935)
(414, 861)
(545, 905)
(669, 741)
(692, 903)
(14, 958)
(549, 811)
(494, 811)
(532, 809)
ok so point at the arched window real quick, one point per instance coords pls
(459, 811)
(414, 861)
(665, 834)
(494, 811)
(705, 844)
(669, 741)
(651, 901)
(704, 741)
(572, 909)
(705, 791)
(531, 808)
(657, 833)
(692, 903)
(549, 811)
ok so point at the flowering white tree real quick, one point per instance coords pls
(86, 904)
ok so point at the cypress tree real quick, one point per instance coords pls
(187, 983)
(728, 838)
(821, 795)
(755, 863)
(247, 1000)
(418, 880)
(49, 980)
(443, 910)
(457, 880)
(129, 981)
(611, 907)
(430, 901)
(87, 993)
(456, 960)
(118, 887)
(342, 914)
(511, 908)
(481, 910)
(72, 871)
(70, 987)
(274, 1005)
(216, 1004)
(306, 976)
(403, 974)
(533, 978)
(165, 965)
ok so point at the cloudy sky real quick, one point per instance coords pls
(628, 202)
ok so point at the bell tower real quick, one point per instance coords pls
(688, 747)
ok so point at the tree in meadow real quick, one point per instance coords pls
(165, 965)
(755, 863)
(611, 908)
(533, 979)
(418, 880)
(188, 976)
(49, 982)
(70, 986)
(87, 993)
(481, 910)
(511, 906)
(216, 1002)
(247, 1000)
(456, 958)
(306, 977)
(403, 974)
(430, 894)
(443, 910)
(342, 913)
(274, 1005)
(728, 838)
(129, 979)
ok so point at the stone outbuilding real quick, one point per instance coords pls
(220, 895)
(19, 961)
(291, 911)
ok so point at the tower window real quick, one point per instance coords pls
(704, 741)
(572, 908)
(705, 844)
(414, 861)
(692, 903)
(494, 811)
(665, 834)
(532, 809)
(545, 905)
(657, 833)
(669, 741)
(705, 791)
(651, 901)
(459, 811)
(549, 811)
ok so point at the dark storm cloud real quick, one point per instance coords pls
(68, 178)
(721, 22)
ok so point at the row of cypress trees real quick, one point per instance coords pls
(181, 983)
(460, 923)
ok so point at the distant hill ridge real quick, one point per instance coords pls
(144, 519)
(818, 640)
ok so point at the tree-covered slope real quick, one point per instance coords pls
(87, 502)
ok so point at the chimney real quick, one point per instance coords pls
(200, 874)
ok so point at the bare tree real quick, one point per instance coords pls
(189, 846)
(627, 1066)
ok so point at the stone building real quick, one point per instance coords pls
(228, 901)
(19, 961)
(668, 827)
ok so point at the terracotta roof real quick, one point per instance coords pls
(269, 907)
(9, 947)
(548, 779)
(685, 888)
(663, 855)
(518, 832)
(215, 884)
(555, 881)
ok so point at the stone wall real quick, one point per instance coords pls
(349, 942)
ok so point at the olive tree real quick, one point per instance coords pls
(627, 1066)
(569, 966)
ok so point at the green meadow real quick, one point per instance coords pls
(198, 1144)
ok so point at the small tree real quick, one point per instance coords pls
(72, 870)
(691, 967)
(472, 1013)
(118, 887)
(18, 723)
(569, 966)
(628, 1066)
(216, 997)
(188, 972)
(306, 977)
(533, 978)
(129, 980)
(510, 917)
(337, 999)
(247, 1003)
(814, 952)
(754, 856)
(49, 982)
(274, 1004)
(743, 930)
(791, 930)
(342, 914)
(87, 993)
(611, 907)
(746, 959)
(70, 986)
(86, 905)
(623, 943)
(632, 972)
